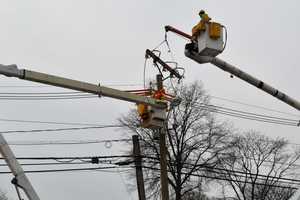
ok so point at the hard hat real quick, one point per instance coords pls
(201, 12)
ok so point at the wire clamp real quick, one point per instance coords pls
(99, 92)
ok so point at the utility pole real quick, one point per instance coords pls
(163, 153)
(138, 167)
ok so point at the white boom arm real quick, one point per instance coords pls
(244, 76)
(13, 71)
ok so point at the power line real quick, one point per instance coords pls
(279, 179)
(211, 108)
(49, 97)
(64, 142)
(70, 157)
(192, 174)
(92, 160)
(62, 129)
(255, 114)
(39, 93)
(249, 115)
(223, 170)
(254, 106)
(216, 97)
(83, 159)
(49, 163)
(48, 122)
(225, 179)
(68, 170)
(48, 86)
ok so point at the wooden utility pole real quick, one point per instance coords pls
(163, 153)
(138, 167)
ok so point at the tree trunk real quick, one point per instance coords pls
(178, 192)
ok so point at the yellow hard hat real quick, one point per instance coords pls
(201, 12)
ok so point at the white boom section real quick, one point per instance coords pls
(13, 71)
(16, 169)
(244, 76)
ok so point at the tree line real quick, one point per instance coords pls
(206, 154)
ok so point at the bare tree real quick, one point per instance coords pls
(258, 167)
(278, 191)
(3, 196)
(194, 140)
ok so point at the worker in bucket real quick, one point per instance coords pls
(196, 31)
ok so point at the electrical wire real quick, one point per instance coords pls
(40, 93)
(249, 115)
(210, 169)
(70, 157)
(70, 160)
(254, 106)
(48, 122)
(224, 178)
(48, 86)
(62, 129)
(64, 142)
(254, 114)
(48, 164)
(222, 170)
(152, 168)
(67, 170)
(73, 97)
(144, 72)
(211, 108)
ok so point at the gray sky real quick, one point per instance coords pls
(104, 41)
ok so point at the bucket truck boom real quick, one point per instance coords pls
(203, 49)
(20, 180)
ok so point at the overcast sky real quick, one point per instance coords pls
(104, 42)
